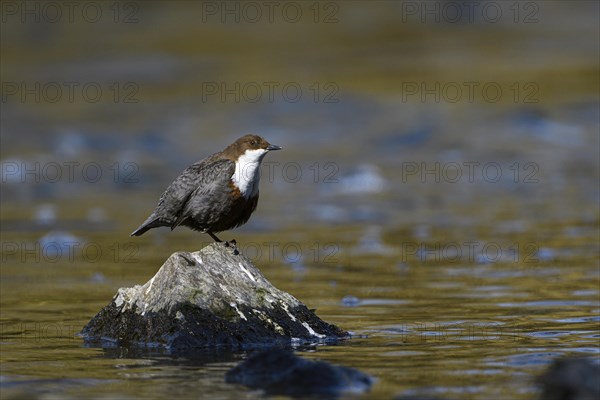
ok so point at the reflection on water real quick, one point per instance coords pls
(456, 238)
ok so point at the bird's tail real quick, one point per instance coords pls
(151, 222)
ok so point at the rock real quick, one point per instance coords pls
(281, 372)
(571, 379)
(205, 299)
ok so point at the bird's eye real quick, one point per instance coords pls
(253, 142)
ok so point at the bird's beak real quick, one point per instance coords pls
(273, 147)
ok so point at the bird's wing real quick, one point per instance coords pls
(202, 176)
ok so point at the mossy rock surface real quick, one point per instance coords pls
(209, 298)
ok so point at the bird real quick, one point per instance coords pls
(215, 194)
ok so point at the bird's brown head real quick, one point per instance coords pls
(249, 143)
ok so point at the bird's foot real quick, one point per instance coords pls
(232, 243)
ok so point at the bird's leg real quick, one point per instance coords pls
(215, 238)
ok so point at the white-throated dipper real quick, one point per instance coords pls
(215, 194)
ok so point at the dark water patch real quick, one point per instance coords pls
(529, 359)
(21, 385)
(549, 303)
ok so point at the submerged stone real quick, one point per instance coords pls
(281, 372)
(205, 299)
(571, 379)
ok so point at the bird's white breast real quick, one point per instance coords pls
(247, 172)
